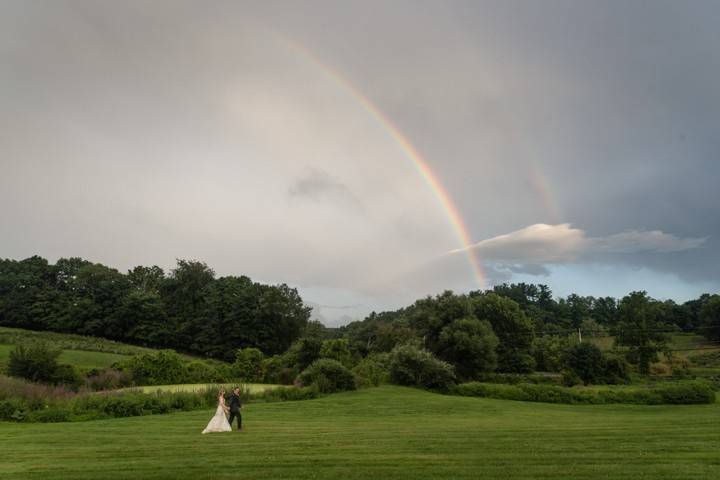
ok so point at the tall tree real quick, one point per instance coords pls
(710, 318)
(512, 327)
(640, 329)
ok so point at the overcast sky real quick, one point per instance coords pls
(580, 142)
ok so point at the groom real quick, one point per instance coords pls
(235, 407)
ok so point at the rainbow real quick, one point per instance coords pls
(430, 178)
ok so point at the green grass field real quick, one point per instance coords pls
(79, 358)
(386, 432)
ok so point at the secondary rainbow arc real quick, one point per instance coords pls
(431, 179)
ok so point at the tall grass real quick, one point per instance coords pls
(23, 401)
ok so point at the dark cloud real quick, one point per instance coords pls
(133, 132)
(318, 185)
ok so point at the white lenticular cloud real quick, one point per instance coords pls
(542, 244)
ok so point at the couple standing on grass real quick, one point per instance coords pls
(219, 422)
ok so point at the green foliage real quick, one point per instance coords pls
(328, 376)
(615, 369)
(515, 378)
(549, 352)
(160, 368)
(640, 329)
(201, 372)
(710, 318)
(586, 360)
(513, 329)
(414, 366)
(372, 371)
(284, 394)
(591, 365)
(681, 393)
(469, 345)
(68, 341)
(337, 349)
(303, 352)
(710, 359)
(189, 309)
(37, 362)
(570, 378)
(248, 365)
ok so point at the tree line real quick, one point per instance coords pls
(512, 328)
(188, 309)
(518, 328)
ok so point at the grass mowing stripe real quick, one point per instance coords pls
(389, 432)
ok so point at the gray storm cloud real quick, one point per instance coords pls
(137, 132)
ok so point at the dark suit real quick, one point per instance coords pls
(235, 406)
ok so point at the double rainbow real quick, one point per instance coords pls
(431, 179)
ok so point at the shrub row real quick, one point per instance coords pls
(27, 402)
(685, 393)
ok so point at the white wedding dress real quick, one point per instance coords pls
(219, 422)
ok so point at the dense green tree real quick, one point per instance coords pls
(337, 349)
(141, 319)
(513, 329)
(36, 362)
(146, 279)
(248, 364)
(586, 361)
(710, 318)
(469, 345)
(415, 366)
(97, 293)
(605, 311)
(431, 314)
(304, 352)
(549, 352)
(640, 329)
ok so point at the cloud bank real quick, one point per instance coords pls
(529, 249)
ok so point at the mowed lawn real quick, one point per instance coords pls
(387, 432)
(78, 358)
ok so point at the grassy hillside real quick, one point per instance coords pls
(80, 351)
(68, 341)
(79, 358)
(387, 432)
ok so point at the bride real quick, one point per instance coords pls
(219, 422)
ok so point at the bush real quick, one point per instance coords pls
(549, 352)
(160, 368)
(248, 365)
(515, 378)
(67, 375)
(283, 394)
(615, 369)
(410, 365)
(201, 372)
(36, 362)
(586, 360)
(372, 371)
(108, 379)
(337, 349)
(328, 375)
(570, 378)
(22, 401)
(710, 359)
(684, 393)
(693, 392)
(469, 345)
